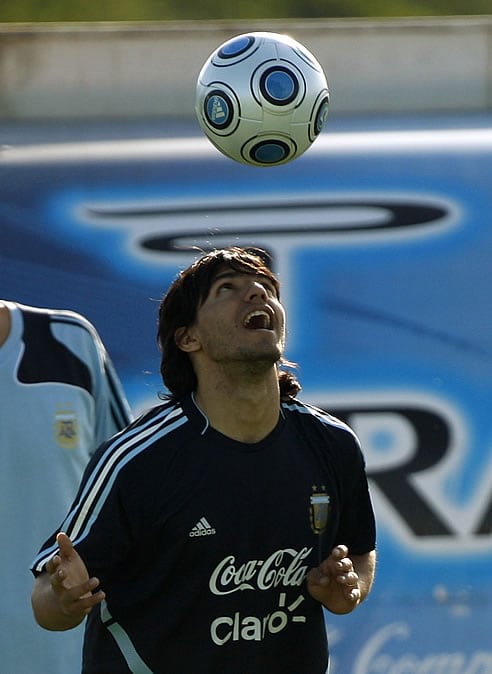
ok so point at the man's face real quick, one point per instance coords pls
(241, 319)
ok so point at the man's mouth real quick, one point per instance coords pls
(258, 320)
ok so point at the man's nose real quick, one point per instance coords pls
(256, 291)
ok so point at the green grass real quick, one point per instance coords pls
(166, 10)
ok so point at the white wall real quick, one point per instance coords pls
(127, 70)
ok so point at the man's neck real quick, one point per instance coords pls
(5, 323)
(244, 411)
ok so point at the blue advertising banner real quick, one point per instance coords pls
(383, 244)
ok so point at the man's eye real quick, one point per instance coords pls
(225, 286)
(270, 289)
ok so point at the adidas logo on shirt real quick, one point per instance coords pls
(202, 528)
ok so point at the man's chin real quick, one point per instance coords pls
(261, 362)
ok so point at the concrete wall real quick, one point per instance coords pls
(128, 70)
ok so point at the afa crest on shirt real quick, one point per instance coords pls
(319, 509)
(66, 428)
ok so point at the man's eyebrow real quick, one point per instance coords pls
(232, 273)
(226, 274)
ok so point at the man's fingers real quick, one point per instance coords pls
(52, 565)
(350, 579)
(340, 552)
(65, 544)
(80, 598)
(83, 604)
(56, 578)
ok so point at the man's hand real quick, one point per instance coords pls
(64, 594)
(341, 582)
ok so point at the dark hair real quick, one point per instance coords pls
(179, 308)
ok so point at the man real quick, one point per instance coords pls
(208, 536)
(60, 398)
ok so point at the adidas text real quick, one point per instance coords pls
(202, 528)
(201, 532)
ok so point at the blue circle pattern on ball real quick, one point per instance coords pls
(278, 85)
(236, 46)
(321, 116)
(269, 152)
(218, 109)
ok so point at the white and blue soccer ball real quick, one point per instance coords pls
(262, 98)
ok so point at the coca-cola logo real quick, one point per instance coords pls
(283, 568)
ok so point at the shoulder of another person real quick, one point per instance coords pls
(5, 322)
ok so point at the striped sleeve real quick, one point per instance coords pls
(103, 472)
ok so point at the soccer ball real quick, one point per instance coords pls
(262, 99)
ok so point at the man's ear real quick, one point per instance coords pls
(185, 340)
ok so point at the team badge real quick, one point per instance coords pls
(319, 509)
(66, 428)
